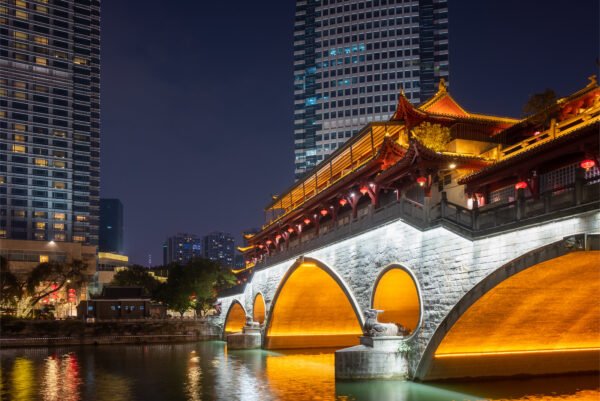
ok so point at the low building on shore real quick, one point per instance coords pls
(121, 303)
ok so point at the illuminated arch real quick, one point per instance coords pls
(535, 315)
(236, 318)
(258, 308)
(312, 308)
(396, 292)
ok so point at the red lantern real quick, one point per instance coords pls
(324, 212)
(290, 230)
(278, 237)
(261, 246)
(343, 202)
(269, 242)
(521, 185)
(307, 221)
(588, 164)
(421, 180)
(363, 190)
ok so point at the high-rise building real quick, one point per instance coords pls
(352, 58)
(50, 120)
(181, 248)
(111, 226)
(220, 247)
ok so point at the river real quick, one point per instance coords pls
(207, 371)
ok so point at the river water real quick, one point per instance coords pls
(207, 371)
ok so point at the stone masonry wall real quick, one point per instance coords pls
(445, 264)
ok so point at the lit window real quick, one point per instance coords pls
(20, 35)
(60, 134)
(3, 10)
(21, 3)
(20, 85)
(40, 225)
(21, 14)
(60, 216)
(41, 162)
(78, 238)
(59, 237)
(80, 61)
(59, 185)
(19, 138)
(60, 55)
(40, 88)
(59, 153)
(59, 164)
(41, 60)
(19, 149)
(3, 92)
(2, 114)
(19, 213)
(39, 214)
(41, 40)
(39, 235)
(44, 259)
(2, 233)
(2, 179)
(41, 9)
(59, 226)
(81, 218)
(20, 95)
(20, 127)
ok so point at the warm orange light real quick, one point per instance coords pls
(269, 242)
(521, 185)
(421, 181)
(312, 311)
(290, 230)
(236, 319)
(258, 309)
(324, 212)
(396, 294)
(363, 190)
(307, 221)
(524, 352)
(588, 164)
(278, 237)
(343, 202)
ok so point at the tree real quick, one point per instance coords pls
(539, 107)
(136, 276)
(434, 136)
(11, 289)
(175, 293)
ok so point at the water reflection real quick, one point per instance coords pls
(206, 371)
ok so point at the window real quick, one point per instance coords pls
(20, 35)
(41, 60)
(44, 259)
(20, 127)
(59, 237)
(40, 225)
(59, 164)
(19, 213)
(40, 40)
(40, 214)
(78, 238)
(41, 9)
(59, 185)
(19, 138)
(19, 149)
(21, 3)
(41, 162)
(81, 218)
(20, 95)
(60, 134)
(60, 216)
(59, 226)
(80, 61)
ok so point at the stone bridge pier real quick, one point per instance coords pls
(522, 301)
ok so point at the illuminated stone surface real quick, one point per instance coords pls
(446, 265)
(258, 309)
(236, 318)
(397, 295)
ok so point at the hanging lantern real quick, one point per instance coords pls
(323, 212)
(268, 242)
(290, 230)
(278, 237)
(363, 190)
(421, 180)
(521, 185)
(343, 202)
(261, 246)
(588, 164)
(307, 221)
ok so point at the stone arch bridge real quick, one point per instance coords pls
(516, 301)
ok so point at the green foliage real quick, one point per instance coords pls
(434, 136)
(194, 286)
(136, 276)
(11, 289)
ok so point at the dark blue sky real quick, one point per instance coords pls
(197, 98)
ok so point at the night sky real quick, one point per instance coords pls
(197, 99)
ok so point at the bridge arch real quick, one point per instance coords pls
(312, 308)
(259, 308)
(397, 292)
(235, 318)
(537, 314)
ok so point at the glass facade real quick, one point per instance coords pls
(351, 59)
(220, 247)
(181, 248)
(50, 120)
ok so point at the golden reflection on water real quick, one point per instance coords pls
(60, 380)
(193, 384)
(301, 375)
(21, 380)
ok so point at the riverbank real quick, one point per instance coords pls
(43, 333)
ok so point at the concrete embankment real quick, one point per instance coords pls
(32, 333)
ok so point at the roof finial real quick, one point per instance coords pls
(442, 86)
(593, 80)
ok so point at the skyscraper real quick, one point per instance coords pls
(111, 226)
(181, 248)
(220, 247)
(50, 120)
(351, 59)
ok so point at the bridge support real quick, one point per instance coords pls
(249, 338)
(374, 358)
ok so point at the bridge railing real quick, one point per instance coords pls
(582, 195)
